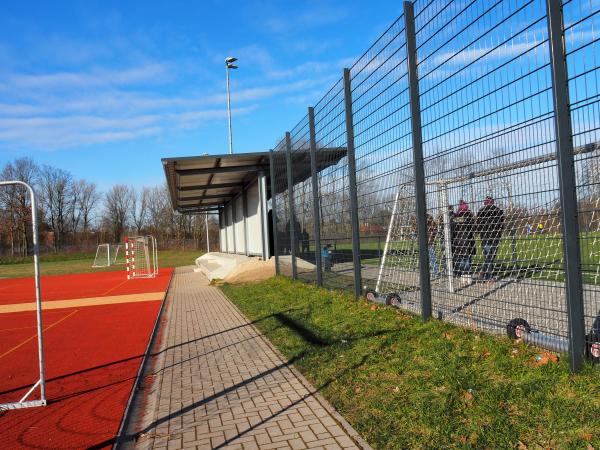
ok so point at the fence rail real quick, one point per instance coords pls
(453, 170)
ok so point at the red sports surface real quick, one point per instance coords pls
(92, 357)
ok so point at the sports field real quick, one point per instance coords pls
(96, 329)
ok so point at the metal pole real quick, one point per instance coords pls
(445, 202)
(245, 212)
(38, 291)
(274, 210)
(421, 207)
(352, 183)
(315, 191)
(567, 186)
(229, 110)
(387, 242)
(262, 189)
(290, 179)
(225, 229)
(207, 241)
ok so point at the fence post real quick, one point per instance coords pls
(274, 209)
(417, 141)
(315, 191)
(567, 186)
(290, 180)
(352, 181)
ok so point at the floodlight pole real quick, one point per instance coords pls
(228, 109)
(38, 293)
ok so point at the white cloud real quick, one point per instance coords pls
(149, 73)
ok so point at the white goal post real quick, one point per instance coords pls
(141, 257)
(107, 255)
(41, 383)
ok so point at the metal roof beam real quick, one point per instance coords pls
(205, 197)
(201, 187)
(213, 170)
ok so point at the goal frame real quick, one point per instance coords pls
(41, 383)
(150, 254)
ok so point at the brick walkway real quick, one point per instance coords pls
(218, 383)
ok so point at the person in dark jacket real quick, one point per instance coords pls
(490, 224)
(463, 239)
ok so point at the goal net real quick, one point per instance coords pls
(108, 255)
(141, 257)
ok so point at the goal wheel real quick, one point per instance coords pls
(516, 328)
(592, 347)
(370, 294)
(392, 299)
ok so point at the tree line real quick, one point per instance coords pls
(75, 215)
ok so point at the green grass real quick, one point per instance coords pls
(406, 384)
(82, 263)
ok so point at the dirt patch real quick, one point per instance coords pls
(251, 271)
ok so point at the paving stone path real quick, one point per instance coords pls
(216, 382)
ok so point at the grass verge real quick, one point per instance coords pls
(406, 384)
(82, 263)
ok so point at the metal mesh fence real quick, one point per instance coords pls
(282, 211)
(303, 201)
(336, 229)
(582, 47)
(496, 170)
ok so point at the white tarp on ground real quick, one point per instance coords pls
(218, 265)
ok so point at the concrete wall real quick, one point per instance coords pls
(253, 221)
(232, 224)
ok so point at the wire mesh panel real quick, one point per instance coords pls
(336, 228)
(492, 184)
(385, 170)
(581, 35)
(282, 212)
(492, 181)
(303, 201)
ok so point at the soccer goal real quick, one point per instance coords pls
(25, 400)
(108, 255)
(141, 257)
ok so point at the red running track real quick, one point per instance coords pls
(92, 357)
(67, 287)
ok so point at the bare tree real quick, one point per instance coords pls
(56, 190)
(139, 208)
(88, 200)
(15, 201)
(118, 202)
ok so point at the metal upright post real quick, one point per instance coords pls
(207, 236)
(290, 180)
(274, 209)
(352, 182)
(417, 141)
(264, 219)
(567, 186)
(245, 212)
(315, 191)
(233, 218)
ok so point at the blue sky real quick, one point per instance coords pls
(105, 89)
